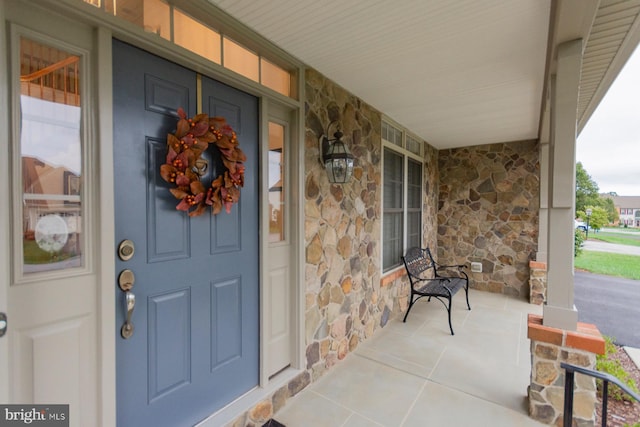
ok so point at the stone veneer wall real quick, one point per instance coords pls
(549, 348)
(346, 297)
(488, 213)
(430, 198)
(537, 282)
(344, 300)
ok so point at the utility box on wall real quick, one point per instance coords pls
(476, 267)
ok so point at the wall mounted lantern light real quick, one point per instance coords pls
(335, 156)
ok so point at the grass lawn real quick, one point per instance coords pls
(621, 239)
(609, 264)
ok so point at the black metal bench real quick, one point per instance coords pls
(430, 279)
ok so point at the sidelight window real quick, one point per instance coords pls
(50, 157)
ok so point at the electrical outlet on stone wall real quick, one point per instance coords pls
(476, 267)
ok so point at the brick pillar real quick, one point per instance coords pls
(550, 347)
(537, 282)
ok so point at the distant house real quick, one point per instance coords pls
(629, 209)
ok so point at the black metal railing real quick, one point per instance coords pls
(606, 379)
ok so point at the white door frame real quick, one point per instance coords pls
(5, 212)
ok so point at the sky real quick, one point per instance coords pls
(609, 144)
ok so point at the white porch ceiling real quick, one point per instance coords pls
(455, 73)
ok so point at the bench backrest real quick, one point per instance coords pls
(417, 263)
(433, 262)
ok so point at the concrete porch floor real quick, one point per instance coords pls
(417, 374)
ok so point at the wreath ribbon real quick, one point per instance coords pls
(184, 151)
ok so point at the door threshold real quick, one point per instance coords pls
(247, 401)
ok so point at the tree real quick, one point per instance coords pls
(610, 207)
(586, 189)
(598, 218)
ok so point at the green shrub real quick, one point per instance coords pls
(578, 241)
(615, 368)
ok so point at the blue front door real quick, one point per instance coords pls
(195, 343)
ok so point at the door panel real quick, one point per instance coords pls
(167, 233)
(195, 343)
(233, 243)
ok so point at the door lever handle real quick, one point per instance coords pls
(130, 305)
(126, 279)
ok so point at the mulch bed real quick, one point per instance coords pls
(621, 413)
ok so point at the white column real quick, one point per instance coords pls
(560, 312)
(543, 221)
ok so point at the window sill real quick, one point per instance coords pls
(392, 275)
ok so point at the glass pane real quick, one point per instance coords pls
(393, 177)
(391, 134)
(192, 35)
(413, 145)
(157, 18)
(276, 183)
(240, 59)
(392, 240)
(129, 10)
(275, 78)
(414, 186)
(392, 210)
(414, 227)
(50, 147)
(152, 15)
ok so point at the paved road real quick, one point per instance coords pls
(611, 303)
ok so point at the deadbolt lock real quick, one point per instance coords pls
(126, 249)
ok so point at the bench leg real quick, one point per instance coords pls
(411, 302)
(466, 292)
(449, 314)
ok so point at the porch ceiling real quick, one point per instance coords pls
(455, 73)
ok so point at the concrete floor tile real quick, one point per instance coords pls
(373, 390)
(442, 406)
(356, 420)
(417, 354)
(486, 299)
(484, 376)
(302, 410)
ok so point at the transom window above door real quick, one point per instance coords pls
(173, 24)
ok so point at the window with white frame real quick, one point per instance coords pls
(402, 194)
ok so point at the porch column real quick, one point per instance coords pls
(560, 312)
(543, 224)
